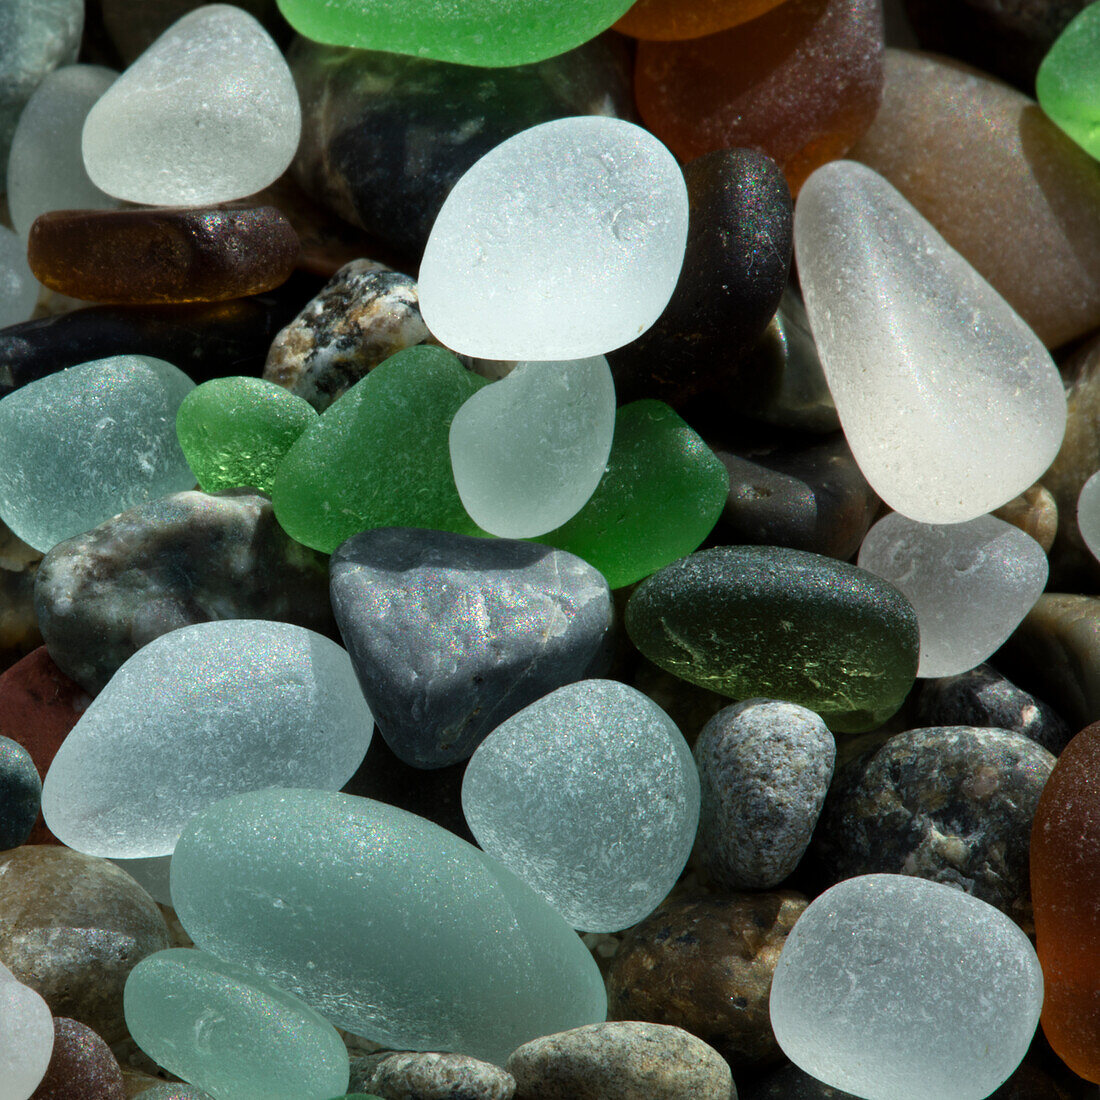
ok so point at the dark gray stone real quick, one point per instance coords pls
(20, 794)
(188, 558)
(451, 635)
(764, 770)
(416, 1075)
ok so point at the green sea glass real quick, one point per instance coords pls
(491, 33)
(235, 431)
(379, 456)
(661, 494)
(230, 1032)
(1068, 82)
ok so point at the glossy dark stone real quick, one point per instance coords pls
(735, 270)
(20, 794)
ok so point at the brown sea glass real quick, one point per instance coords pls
(1000, 181)
(801, 84)
(1065, 893)
(160, 255)
(675, 20)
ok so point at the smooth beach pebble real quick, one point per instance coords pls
(26, 1038)
(20, 794)
(81, 1067)
(672, 20)
(430, 1076)
(564, 242)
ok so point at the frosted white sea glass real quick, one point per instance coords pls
(951, 404)
(18, 286)
(898, 988)
(971, 583)
(207, 114)
(26, 1039)
(198, 714)
(563, 242)
(1088, 514)
(528, 451)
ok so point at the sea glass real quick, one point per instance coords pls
(1068, 82)
(673, 20)
(26, 1038)
(18, 286)
(1088, 514)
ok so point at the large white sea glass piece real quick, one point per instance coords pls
(898, 988)
(1088, 514)
(207, 114)
(528, 451)
(563, 242)
(951, 404)
(18, 286)
(26, 1038)
(198, 714)
(971, 584)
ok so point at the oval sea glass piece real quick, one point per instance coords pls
(1088, 514)
(26, 1038)
(1068, 82)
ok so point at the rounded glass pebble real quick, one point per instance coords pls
(207, 114)
(528, 451)
(897, 988)
(592, 797)
(26, 1038)
(18, 286)
(971, 583)
(563, 242)
(231, 1033)
(1068, 82)
(84, 444)
(1088, 514)
(198, 714)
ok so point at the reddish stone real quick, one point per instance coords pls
(81, 1067)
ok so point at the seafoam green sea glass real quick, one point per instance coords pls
(379, 457)
(387, 924)
(84, 444)
(660, 496)
(1068, 82)
(235, 431)
(475, 32)
(230, 1032)
(18, 286)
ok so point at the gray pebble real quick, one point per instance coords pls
(415, 1075)
(764, 770)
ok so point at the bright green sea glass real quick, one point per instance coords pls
(1068, 83)
(379, 456)
(663, 491)
(235, 431)
(475, 32)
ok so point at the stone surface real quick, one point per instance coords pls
(620, 1061)
(187, 558)
(28, 1035)
(1035, 512)
(946, 133)
(19, 633)
(764, 769)
(20, 794)
(705, 964)
(18, 288)
(953, 804)
(769, 621)
(584, 218)
(213, 99)
(82, 1066)
(451, 635)
(1088, 514)
(72, 927)
(399, 1075)
(431, 945)
(1067, 86)
(880, 948)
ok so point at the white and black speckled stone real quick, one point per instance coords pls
(764, 770)
(419, 1075)
(451, 635)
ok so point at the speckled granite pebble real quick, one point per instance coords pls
(417, 1075)
(81, 1067)
(705, 963)
(764, 769)
(620, 1061)
(19, 632)
(953, 804)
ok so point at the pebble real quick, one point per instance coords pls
(1067, 86)
(752, 622)
(589, 795)
(20, 794)
(379, 456)
(79, 446)
(221, 1027)
(174, 1092)
(877, 950)
(580, 220)
(365, 314)
(46, 166)
(26, 1038)
(673, 20)
(1035, 512)
(19, 633)
(946, 133)
(81, 1067)
(971, 583)
(198, 714)
(705, 964)
(938, 445)
(451, 635)
(620, 1061)
(208, 113)
(528, 451)
(430, 945)
(764, 770)
(72, 927)
(953, 804)
(412, 1075)
(187, 558)
(18, 287)
(164, 255)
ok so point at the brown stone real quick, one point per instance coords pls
(81, 1067)
(1035, 512)
(19, 632)
(705, 964)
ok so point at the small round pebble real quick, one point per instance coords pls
(764, 770)
(82, 1066)
(20, 794)
(418, 1075)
